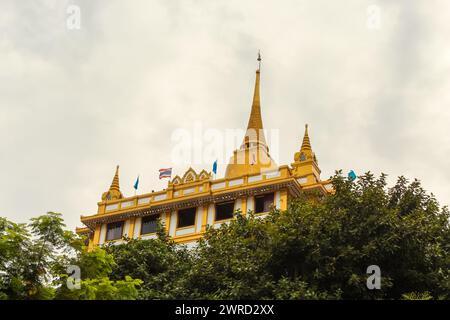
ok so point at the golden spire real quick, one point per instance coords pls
(114, 190)
(306, 144)
(115, 182)
(253, 156)
(255, 124)
(305, 162)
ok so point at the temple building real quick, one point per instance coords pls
(252, 182)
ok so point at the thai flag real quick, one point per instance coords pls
(165, 173)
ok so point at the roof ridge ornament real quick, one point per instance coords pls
(114, 190)
(306, 144)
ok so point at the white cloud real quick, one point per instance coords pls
(73, 104)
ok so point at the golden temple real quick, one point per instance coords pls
(252, 182)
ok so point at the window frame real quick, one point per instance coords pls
(224, 203)
(157, 216)
(263, 196)
(122, 224)
(188, 226)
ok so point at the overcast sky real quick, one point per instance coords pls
(74, 103)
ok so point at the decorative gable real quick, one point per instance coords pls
(203, 175)
(190, 176)
(176, 180)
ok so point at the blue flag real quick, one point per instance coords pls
(215, 167)
(351, 175)
(136, 184)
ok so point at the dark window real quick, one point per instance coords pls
(186, 217)
(114, 231)
(149, 224)
(263, 203)
(224, 210)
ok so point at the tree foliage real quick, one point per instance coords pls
(34, 259)
(319, 248)
(329, 244)
(28, 255)
(160, 263)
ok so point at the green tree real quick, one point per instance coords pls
(95, 284)
(14, 238)
(34, 259)
(28, 255)
(321, 247)
(231, 262)
(160, 263)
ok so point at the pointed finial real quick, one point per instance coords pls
(259, 60)
(255, 124)
(115, 182)
(114, 190)
(306, 145)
